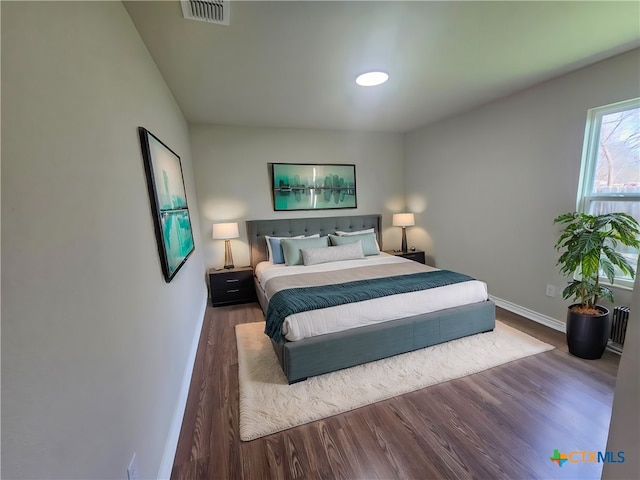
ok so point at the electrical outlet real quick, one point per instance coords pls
(132, 471)
(551, 291)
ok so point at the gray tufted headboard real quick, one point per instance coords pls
(288, 227)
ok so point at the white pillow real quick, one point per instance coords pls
(313, 256)
(358, 232)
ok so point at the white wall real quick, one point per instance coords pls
(487, 184)
(94, 343)
(624, 431)
(232, 176)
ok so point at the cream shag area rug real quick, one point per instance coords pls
(269, 405)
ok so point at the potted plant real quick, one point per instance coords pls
(588, 243)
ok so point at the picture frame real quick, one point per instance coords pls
(168, 198)
(312, 186)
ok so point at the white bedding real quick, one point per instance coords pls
(343, 317)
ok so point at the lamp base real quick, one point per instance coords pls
(404, 240)
(228, 256)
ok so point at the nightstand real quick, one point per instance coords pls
(416, 255)
(231, 286)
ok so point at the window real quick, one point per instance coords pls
(610, 174)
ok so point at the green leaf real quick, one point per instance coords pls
(590, 264)
(619, 261)
(607, 269)
(566, 217)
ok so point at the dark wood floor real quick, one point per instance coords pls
(501, 423)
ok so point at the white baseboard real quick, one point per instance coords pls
(530, 314)
(543, 319)
(171, 444)
(614, 347)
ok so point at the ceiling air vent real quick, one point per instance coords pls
(212, 11)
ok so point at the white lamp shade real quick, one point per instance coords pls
(225, 231)
(403, 220)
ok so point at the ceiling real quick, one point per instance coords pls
(293, 63)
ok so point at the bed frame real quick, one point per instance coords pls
(335, 351)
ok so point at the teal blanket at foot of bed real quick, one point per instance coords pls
(295, 300)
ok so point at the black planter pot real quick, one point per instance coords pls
(587, 335)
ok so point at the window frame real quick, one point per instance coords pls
(590, 150)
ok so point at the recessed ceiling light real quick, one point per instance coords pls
(371, 79)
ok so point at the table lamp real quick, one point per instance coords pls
(404, 220)
(226, 231)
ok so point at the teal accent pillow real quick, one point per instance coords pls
(291, 248)
(369, 245)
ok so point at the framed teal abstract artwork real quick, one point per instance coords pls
(323, 186)
(168, 203)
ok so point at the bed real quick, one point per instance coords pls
(305, 354)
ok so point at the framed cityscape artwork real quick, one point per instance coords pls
(168, 203)
(313, 186)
